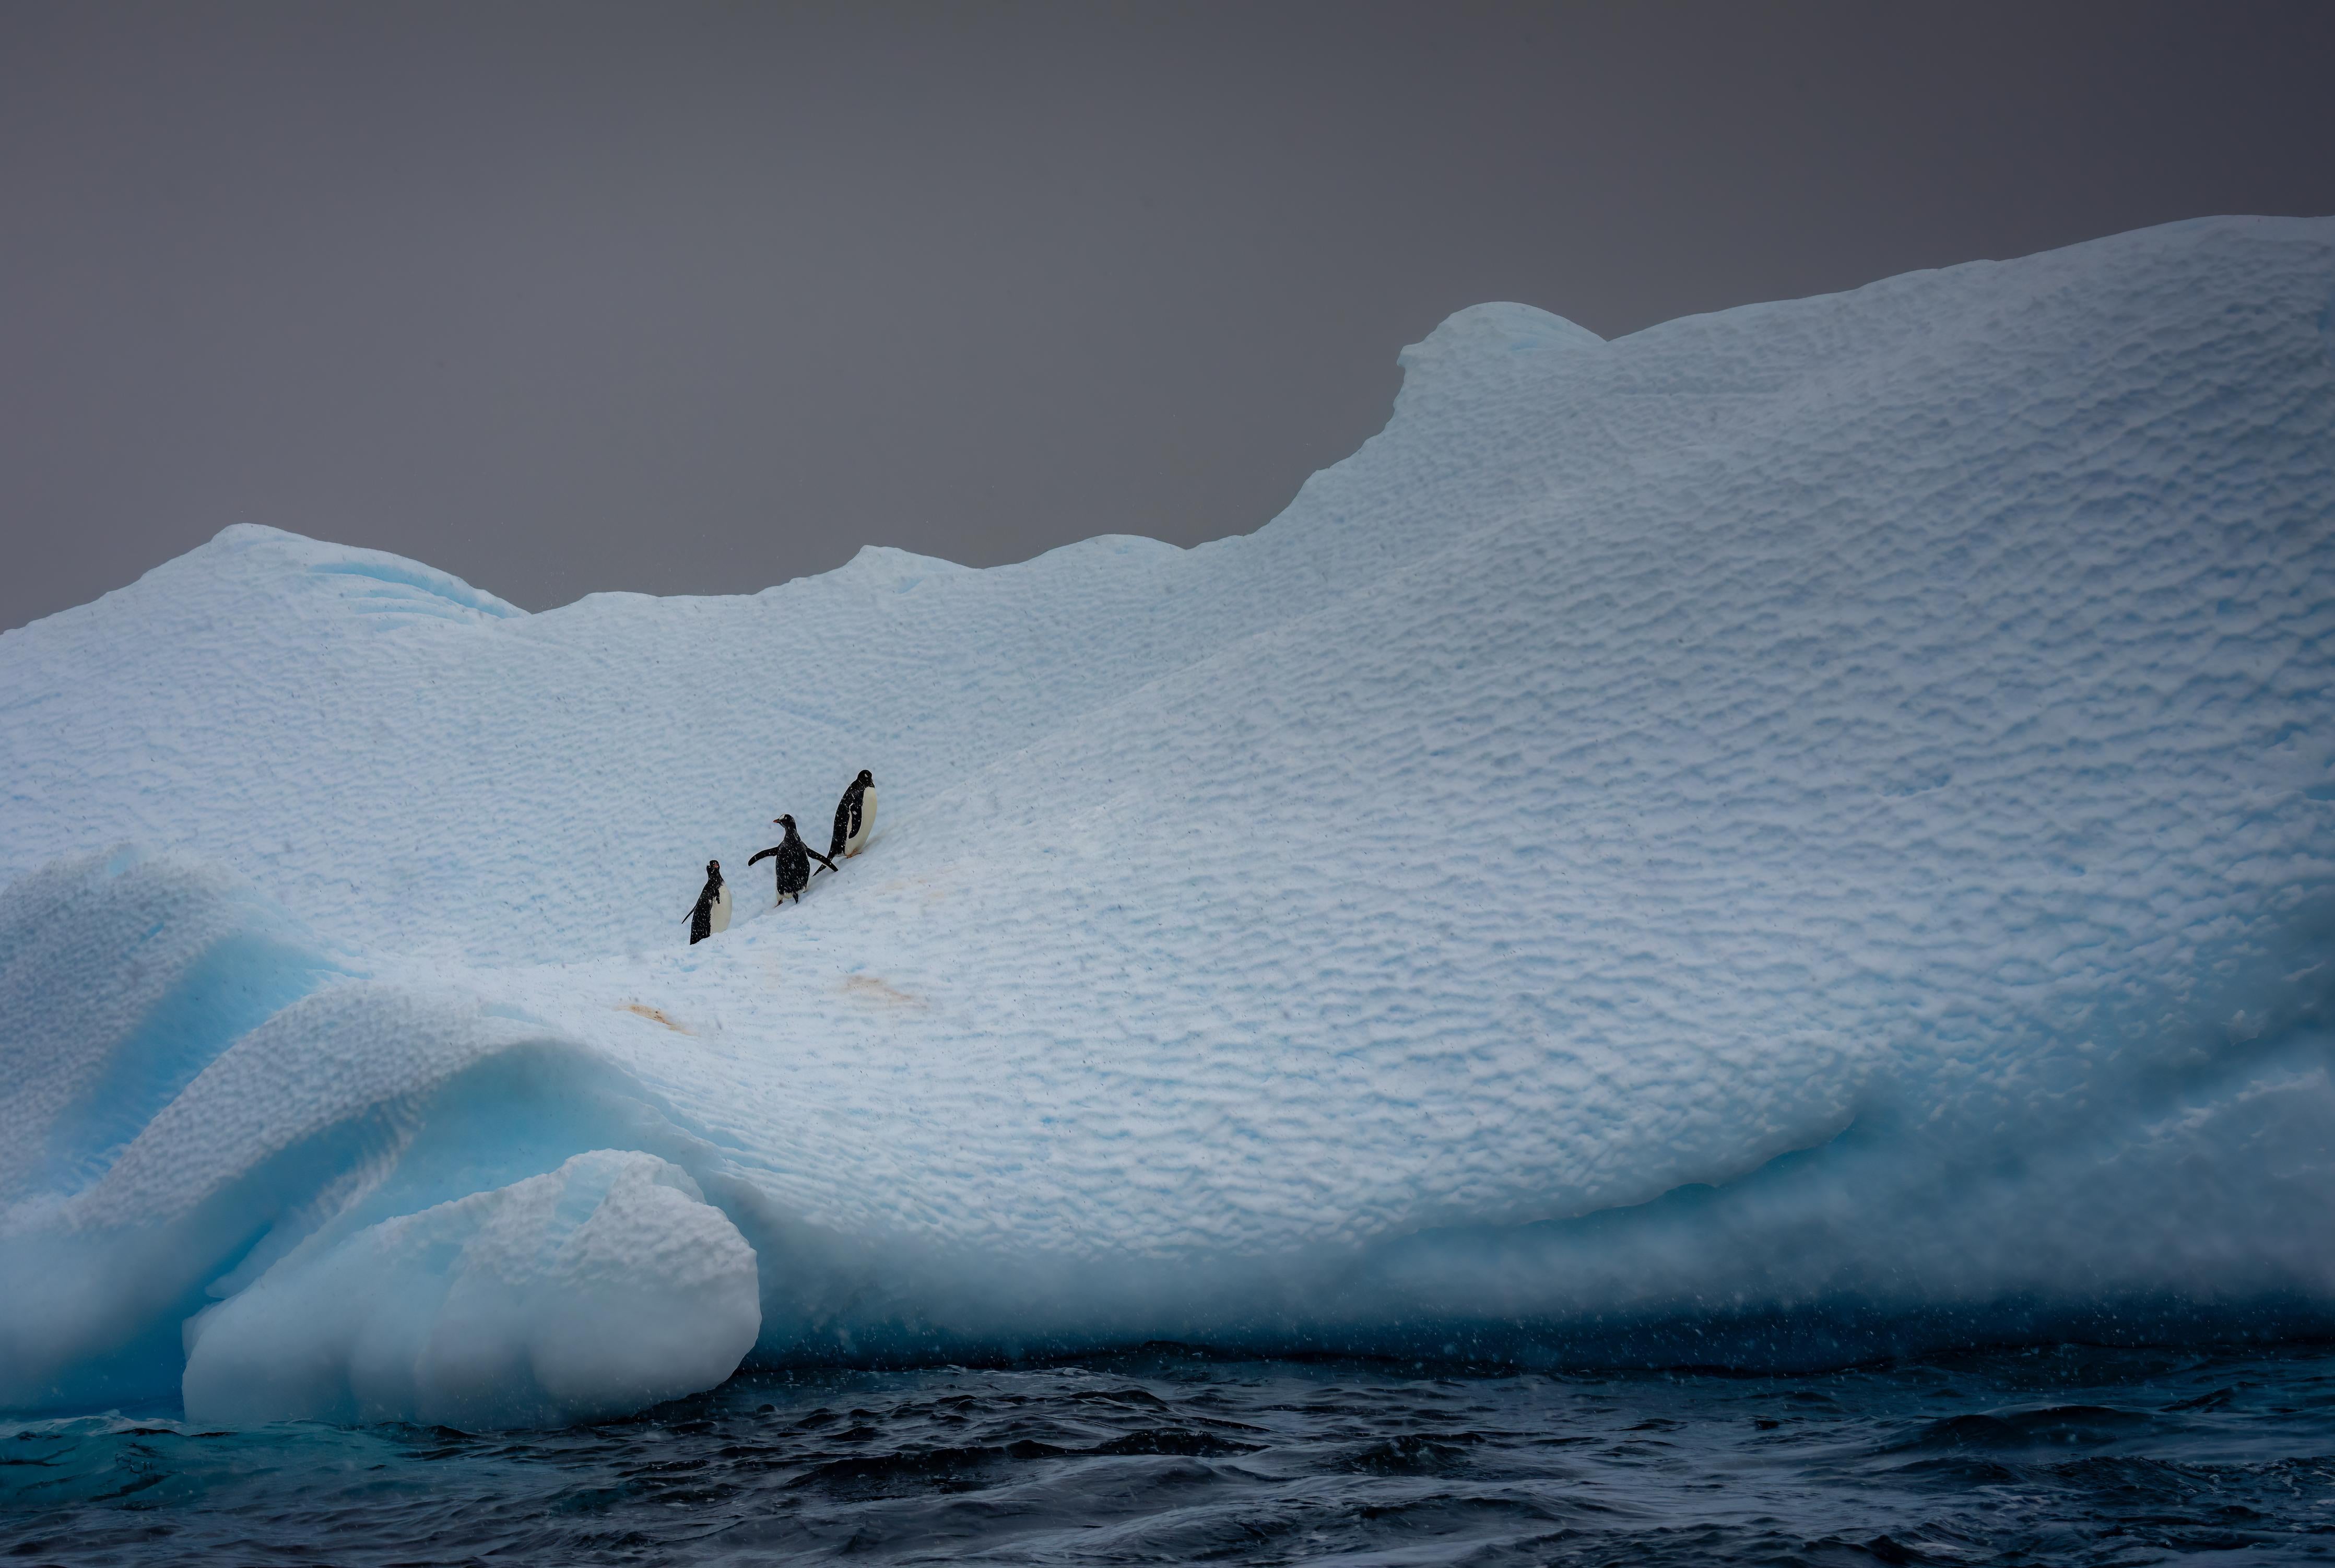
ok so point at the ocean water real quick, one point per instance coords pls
(2053, 1455)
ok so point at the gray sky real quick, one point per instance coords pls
(695, 298)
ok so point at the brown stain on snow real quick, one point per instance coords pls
(653, 1016)
(870, 988)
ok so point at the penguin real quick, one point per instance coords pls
(793, 863)
(855, 817)
(712, 910)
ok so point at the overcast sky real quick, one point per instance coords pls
(695, 298)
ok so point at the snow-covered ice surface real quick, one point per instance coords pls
(1800, 830)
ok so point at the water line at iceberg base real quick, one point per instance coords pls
(1791, 836)
(446, 1214)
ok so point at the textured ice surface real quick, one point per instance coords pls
(1795, 829)
(600, 1288)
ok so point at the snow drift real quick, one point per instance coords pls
(1794, 832)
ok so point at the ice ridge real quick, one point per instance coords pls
(1793, 834)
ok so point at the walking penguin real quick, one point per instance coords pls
(712, 910)
(794, 858)
(855, 819)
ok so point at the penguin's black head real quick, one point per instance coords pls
(865, 777)
(786, 822)
(713, 868)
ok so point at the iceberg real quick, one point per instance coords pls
(1796, 833)
(594, 1290)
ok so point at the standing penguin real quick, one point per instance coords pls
(855, 817)
(794, 858)
(712, 910)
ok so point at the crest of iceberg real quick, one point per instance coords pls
(1797, 832)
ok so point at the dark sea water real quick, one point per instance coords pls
(2060, 1455)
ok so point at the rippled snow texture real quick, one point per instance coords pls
(1823, 809)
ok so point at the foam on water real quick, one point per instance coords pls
(1797, 829)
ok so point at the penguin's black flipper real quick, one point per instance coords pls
(766, 853)
(815, 854)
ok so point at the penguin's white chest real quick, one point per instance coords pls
(858, 841)
(722, 908)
